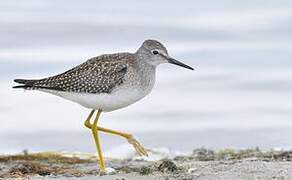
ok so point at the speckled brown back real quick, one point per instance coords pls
(97, 75)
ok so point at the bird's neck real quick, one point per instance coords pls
(145, 67)
(146, 72)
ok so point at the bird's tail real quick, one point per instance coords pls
(26, 84)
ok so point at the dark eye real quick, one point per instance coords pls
(155, 52)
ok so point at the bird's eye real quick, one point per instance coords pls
(155, 52)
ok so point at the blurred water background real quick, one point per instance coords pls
(239, 95)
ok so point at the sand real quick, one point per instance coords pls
(202, 164)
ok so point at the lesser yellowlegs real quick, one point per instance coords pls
(106, 83)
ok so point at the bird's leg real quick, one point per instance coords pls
(94, 131)
(138, 147)
(87, 121)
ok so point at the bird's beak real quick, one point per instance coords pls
(176, 62)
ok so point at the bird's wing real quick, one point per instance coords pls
(97, 75)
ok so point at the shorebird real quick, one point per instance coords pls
(106, 83)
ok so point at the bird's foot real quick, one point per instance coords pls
(138, 147)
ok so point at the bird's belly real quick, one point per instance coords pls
(104, 101)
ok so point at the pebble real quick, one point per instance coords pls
(192, 170)
(110, 171)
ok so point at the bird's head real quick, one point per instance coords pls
(154, 53)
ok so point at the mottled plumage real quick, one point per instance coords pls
(97, 75)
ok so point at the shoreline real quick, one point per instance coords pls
(201, 164)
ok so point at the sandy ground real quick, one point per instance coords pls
(202, 164)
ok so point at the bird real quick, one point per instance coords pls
(106, 83)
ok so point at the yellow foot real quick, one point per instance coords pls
(138, 147)
(102, 169)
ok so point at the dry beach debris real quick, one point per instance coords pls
(202, 163)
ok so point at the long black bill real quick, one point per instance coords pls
(176, 62)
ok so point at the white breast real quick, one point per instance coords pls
(117, 99)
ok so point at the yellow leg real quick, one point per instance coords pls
(87, 121)
(138, 147)
(94, 131)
